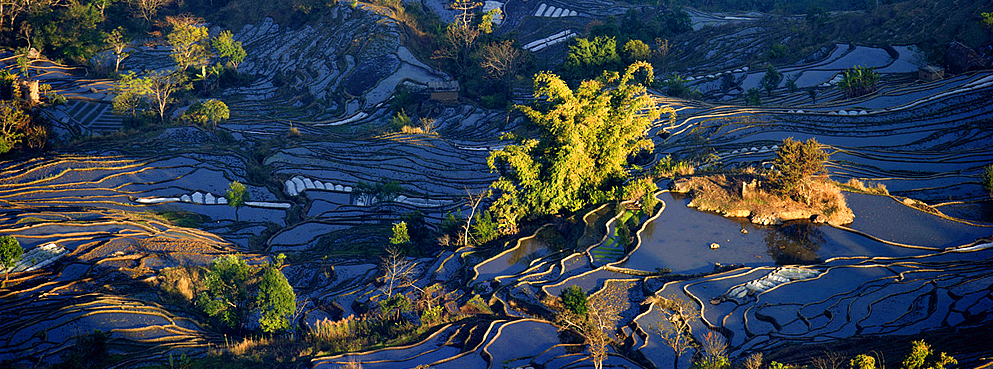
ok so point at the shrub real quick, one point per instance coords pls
(771, 79)
(676, 87)
(208, 113)
(642, 190)
(400, 235)
(863, 362)
(753, 97)
(276, 301)
(636, 50)
(987, 179)
(484, 229)
(574, 300)
(796, 162)
(668, 167)
(858, 81)
(10, 253)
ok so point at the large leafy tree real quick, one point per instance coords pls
(587, 135)
(226, 47)
(235, 291)
(189, 45)
(275, 300)
(209, 113)
(70, 32)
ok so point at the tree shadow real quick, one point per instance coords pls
(795, 243)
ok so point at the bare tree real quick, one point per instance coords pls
(677, 312)
(714, 350)
(147, 8)
(398, 272)
(828, 360)
(460, 35)
(162, 86)
(600, 322)
(118, 42)
(753, 361)
(472, 201)
(502, 60)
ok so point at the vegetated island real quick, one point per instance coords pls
(794, 189)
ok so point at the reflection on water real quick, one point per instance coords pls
(529, 250)
(794, 243)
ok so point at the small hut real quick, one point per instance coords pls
(930, 73)
(446, 92)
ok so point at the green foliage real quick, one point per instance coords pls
(484, 229)
(776, 51)
(227, 48)
(922, 357)
(587, 136)
(771, 79)
(131, 95)
(477, 305)
(753, 97)
(486, 21)
(574, 300)
(643, 191)
(236, 194)
(644, 24)
(588, 58)
(986, 179)
(858, 81)
(189, 45)
(226, 292)
(863, 362)
(8, 85)
(721, 362)
(276, 301)
(208, 113)
(233, 291)
(676, 87)
(987, 20)
(400, 120)
(796, 162)
(14, 123)
(778, 365)
(431, 315)
(669, 167)
(636, 50)
(71, 32)
(400, 235)
(10, 253)
(379, 191)
(117, 40)
(393, 306)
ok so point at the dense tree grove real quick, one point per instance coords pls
(233, 292)
(587, 135)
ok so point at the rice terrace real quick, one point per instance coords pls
(540, 184)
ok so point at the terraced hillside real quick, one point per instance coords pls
(104, 215)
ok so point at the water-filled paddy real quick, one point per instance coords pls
(680, 239)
